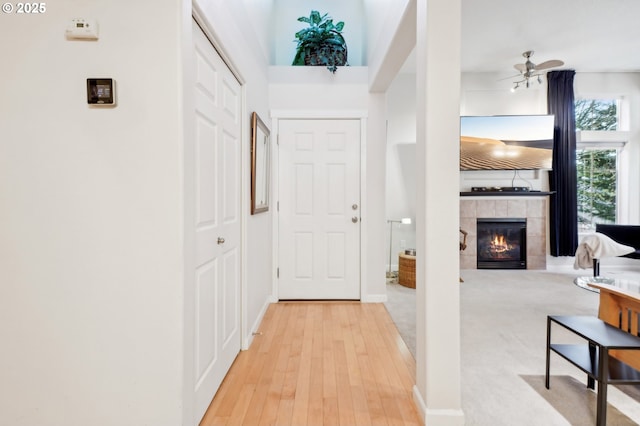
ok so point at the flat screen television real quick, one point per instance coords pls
(506, 142)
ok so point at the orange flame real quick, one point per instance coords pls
(499, 244)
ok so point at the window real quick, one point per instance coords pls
(597, 162)
(597, 114)
(597, 186)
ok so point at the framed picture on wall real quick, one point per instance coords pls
(260, 165)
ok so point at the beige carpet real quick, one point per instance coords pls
(503, 337)
(401, 305)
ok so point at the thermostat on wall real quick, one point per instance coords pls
(101, 91)
(82, 29)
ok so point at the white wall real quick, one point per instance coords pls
(90, 223)
(260, 14)
(375, 224)
(285, 25)
(91, 226)
(391, 40)
(381, 19)
(401, 165)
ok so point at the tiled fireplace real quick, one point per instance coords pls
(531, 210)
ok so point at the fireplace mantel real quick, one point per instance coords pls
(505, 193)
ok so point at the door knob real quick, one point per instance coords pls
(220, 240)
(354, 219)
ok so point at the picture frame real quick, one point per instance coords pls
(260, 165)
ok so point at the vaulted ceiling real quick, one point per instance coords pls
(588, 35)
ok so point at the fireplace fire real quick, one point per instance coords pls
(502, 243)
(498, 245)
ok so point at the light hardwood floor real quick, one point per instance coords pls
(333, 363)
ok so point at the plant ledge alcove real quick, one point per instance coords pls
(286, 74)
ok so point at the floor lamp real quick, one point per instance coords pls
(403, 221)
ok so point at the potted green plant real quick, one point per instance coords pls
(321, 43)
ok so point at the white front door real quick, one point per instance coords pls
(212, 170)
(319, 216)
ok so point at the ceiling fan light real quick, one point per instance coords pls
(529, 70)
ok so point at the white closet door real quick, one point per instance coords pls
(216, 227)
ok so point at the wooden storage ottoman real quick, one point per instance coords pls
(407, 270)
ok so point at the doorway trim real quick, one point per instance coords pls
(361, 115)
(199, 16)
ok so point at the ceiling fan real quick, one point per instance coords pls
(530, 70)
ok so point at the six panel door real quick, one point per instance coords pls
(319, 219)
(217, 223)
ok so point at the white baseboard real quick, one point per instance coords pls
(433, 417)
(420, 405)
(256, 324)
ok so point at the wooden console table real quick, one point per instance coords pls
(593, 358)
